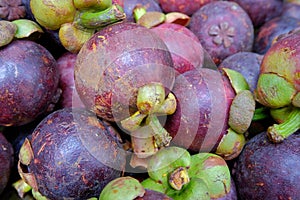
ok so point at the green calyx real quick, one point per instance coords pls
(7, 32)
(278, 132)
(176, 173)
(146, 130)
(237, 80)
(274, 91)
(241, 111)
(231, 145)
(123, 188)
(92, 19)
(214, 170)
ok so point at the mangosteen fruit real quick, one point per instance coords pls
(6, 160)
(115, 62)
(186, 55)
(223, 28)
(124, 74)
(188, 7)
(69, 96)
(247, 63)
(261, 12)
(71, 154)
(278, 83)
(265, 170)
(28, 82)
(267, 33)
(208, 114)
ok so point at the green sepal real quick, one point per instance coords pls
(92, 19)
(196, 189)
(241, 111)
(231, 145)
(26, 28)
(274, 91)
(151, 184)
(214, 170)
(7, 32)
(123, 188)
(165, 161)
(237, 80)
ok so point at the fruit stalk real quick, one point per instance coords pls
(95, 20)
(278, 132)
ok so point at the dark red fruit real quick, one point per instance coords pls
(265, 170)
(187, 7)
(261, 12)
(69, 96)
(247, 63)
(6, 161)
(268, 33)
(201, 117)
(28, 82)
(186, 55)
(72, 155)
(223, 29)
(115, 62)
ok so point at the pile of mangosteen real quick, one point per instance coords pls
(150, 99)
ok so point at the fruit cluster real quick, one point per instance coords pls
(149, 99)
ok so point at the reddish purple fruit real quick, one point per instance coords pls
(268, 171)
(268, 32)
(223, 29)
(247, 63)
(261, 12)
(201, 117)
(6, 160)
(69, 96)
(186, 50)
(72, 155)
(291, 9)
(28, 82)
(115, 63)
(187, 7)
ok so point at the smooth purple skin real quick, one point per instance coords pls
(201, 117)
(69, 96)
(75, 155)
(223, 29)
(188, 7)
(115, 62)
(186, 50)
(6, 160)
(291, 10)
(247, 63)
(271, 30)
(268, 171)
(28, 82)
(261, 12)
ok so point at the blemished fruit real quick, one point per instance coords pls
(71, 154)
(6, 160)
(28, 82)
(268, 171)
(223, 28)
(115, 62)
